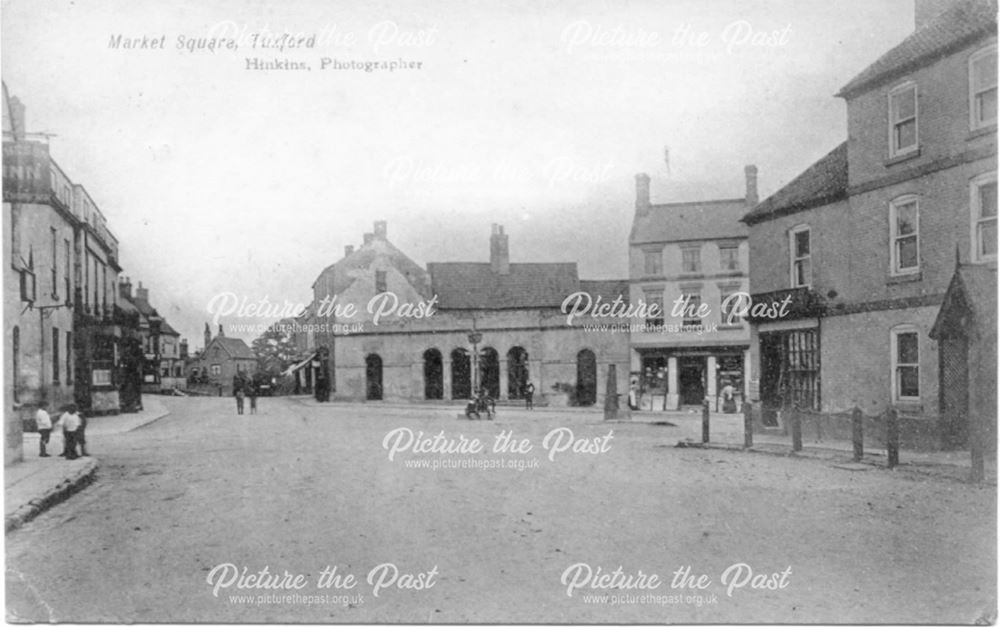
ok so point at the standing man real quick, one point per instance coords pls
(529, 396)
(44, 422)
(238, 393)
(252, 393)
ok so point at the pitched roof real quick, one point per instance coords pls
(608, 290)
(824, 182)
(363, 257)
(463, 285)
(145, 308)
(236, 347)
(954, 27)
(166, 329)
(973, 290)
(678, 222)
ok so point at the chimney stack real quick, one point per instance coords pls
(17, 118)
(381, 229)
(641, 194)
(499, 251)
(141, 293)
(221, 332)
(751, 175)
(208, 335)
(368, 237)
(348, 250)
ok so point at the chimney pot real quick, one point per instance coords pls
(751, 194)
(368, 237)
(348, 250)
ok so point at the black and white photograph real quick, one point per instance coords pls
(521, 312)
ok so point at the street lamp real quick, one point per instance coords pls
(474, 338)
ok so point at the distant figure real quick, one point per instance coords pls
(70, 425)
(44, 422)
(529, 396)
(81, 436)
(633, 396)
(252, 393)
(728, 399)
(239, 394)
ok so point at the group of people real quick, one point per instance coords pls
(243, 388)
(74, 428)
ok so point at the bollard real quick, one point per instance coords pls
(747, 424)
(796, 429)
(704, 421)
(857, 434)
(892, 437)
(978, 474)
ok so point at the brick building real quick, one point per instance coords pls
(867, 240)
(696, 252)
(496, 324)
(222, 359)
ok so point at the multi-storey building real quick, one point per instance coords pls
(866, 241)
(63, 326)
(690, 260)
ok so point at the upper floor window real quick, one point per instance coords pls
(800, 248)
(902, 119)
(652, 262)
(905, 364)
(729, 257)
(691, 259)
(380, 281)
(728, 304)
(983, 202)
(692, 303)
(55, 265)
(983, 88)
(654, 302)
(905, 235)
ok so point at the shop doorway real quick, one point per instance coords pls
(691, 380)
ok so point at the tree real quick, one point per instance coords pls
(276, 346)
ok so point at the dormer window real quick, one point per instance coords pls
(983, 88)
(903, 120)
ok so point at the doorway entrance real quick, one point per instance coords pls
(691, 380)
(373, 377)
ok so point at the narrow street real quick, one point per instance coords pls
(299, 488)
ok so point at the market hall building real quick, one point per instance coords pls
(496, 324)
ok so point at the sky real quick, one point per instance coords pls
(536, 115)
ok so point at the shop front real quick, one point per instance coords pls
(683, 378)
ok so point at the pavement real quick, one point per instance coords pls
(38, 483)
